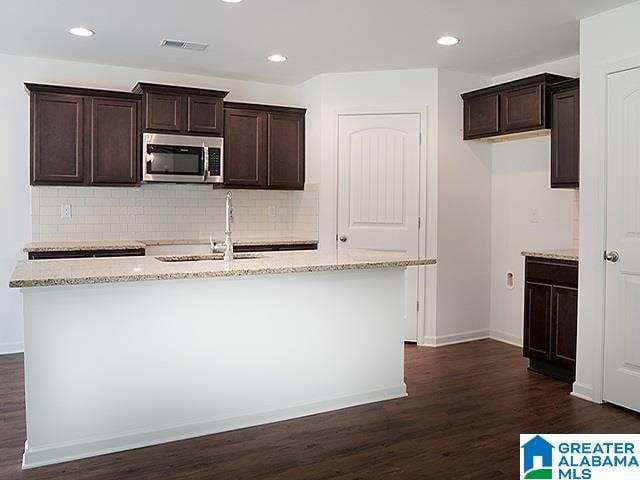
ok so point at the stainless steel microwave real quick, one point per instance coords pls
(182, 159)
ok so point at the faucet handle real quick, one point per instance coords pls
(213, 245)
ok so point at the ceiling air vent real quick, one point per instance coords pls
(198, 47)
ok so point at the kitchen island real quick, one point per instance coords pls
(122, 353)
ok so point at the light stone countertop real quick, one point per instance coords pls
(135, 244)
(570, 254)
(45, 273)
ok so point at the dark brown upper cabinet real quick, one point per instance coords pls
(264, 146)
(523, 109)
(551, 316)
(286, 150)
(565, 135)
(115, 127)
(182, 110)
(519, 108)
(163, 112)
(57, 138)
(245, 147)
(84, 136)
(481, 116)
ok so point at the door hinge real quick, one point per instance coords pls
(420, 138)
(418, 306)
(419, 223)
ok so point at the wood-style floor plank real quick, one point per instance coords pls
(467, 405)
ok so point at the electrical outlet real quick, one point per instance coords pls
(534, 215)
(271, 211)
(65, 211)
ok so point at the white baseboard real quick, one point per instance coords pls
(583, 392)
(37, 457)
(453, 339)
(505, 337)
(9, 348)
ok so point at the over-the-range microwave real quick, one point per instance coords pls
(182, 159)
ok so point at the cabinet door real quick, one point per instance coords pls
(163, 112)
(205, 115)
(57, 139)
(564, 326)
(522, 109)
(114, 155)
(481, 116)
(286, 151)
(565, 139)
(537, 320)
(245, 148)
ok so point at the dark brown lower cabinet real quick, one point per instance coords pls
(551, 316)
(62, 254)
(276, 247)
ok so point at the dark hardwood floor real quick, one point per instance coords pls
(467, 405)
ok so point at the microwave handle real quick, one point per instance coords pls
(205, 152)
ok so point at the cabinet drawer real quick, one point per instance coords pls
(555, 272)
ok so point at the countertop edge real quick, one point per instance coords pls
(551, 255)
(96, 280)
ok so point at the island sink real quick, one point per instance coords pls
(205, 258)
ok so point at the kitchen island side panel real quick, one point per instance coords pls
(118, 366)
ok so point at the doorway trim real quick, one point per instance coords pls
(427, 233)
(594, 227)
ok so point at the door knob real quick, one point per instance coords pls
(343, 239)
(612, 256)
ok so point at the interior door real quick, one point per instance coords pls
(622, 311)
(378, 191)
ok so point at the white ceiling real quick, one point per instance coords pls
(318, 36)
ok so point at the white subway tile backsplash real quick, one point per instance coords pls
(159, 212)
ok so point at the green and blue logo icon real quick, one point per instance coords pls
(580, 456)
(537, 459)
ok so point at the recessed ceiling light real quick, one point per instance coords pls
(448, 41)
(232, 1)
(277, 58)
(81, 32)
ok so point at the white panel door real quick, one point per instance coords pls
(622, 314)
(379, 189)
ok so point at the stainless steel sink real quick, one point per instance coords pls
(205, 257)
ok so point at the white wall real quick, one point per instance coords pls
(520, 184)
(327, 95)
(457, 186)
(464, 220)
(14, 132)
(608, 42)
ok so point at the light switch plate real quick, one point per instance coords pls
(534, 215)
(65, 211)
(271, 211)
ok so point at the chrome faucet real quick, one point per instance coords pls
(227, 246)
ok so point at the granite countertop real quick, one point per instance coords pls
(562, 254)
(135, 244)
(45, 273)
